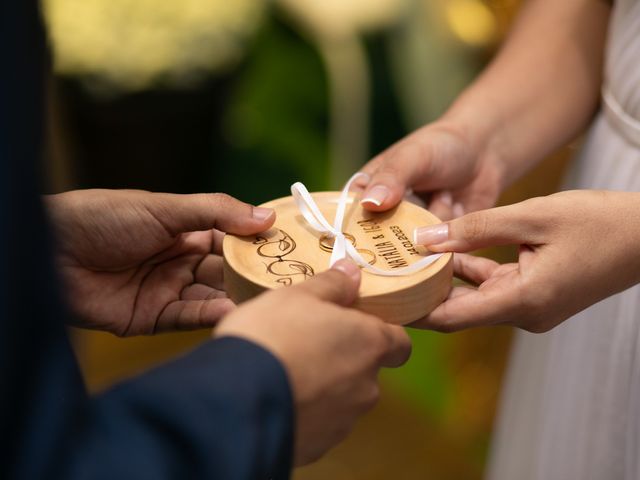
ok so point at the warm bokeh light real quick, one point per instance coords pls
(472, 22)
(137, 44)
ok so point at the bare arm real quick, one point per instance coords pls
(539, 93)
(542, 88)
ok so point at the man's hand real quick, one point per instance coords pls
(332, 354)
(446, 168)
(576, 248)
(136, 262)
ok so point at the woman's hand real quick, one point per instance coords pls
(576, 248)
(441, 163)
(540, 91)
(137, 262)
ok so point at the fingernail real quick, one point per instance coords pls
(458, 210)
(348, 268)
(446, 198)
(376, 195)
(431, 235)
(261, 214)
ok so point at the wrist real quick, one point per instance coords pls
(628, 221)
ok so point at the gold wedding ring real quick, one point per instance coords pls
(326, 241)
(326, 245)
(368, 252)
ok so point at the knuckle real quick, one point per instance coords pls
(535, 211)
(475, 225)
(408, 149)
(414, 156)
(380, 339)
(372, 396)
(222, 200)
(535, 203)
(534, 298)
(372, 333)
(398, 336)
(401, 352)
(334, 283)
(387, 172)
(533, 308)
(426, 323)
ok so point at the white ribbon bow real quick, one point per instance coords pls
(341, 247)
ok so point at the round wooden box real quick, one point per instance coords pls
(291, 252)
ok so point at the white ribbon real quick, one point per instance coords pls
(342, 248)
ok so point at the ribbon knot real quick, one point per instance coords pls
(341, 247)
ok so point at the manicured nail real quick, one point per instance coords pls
(431, 235)
(348, 268)
(458, 210)
(261, 214)
(376, 195)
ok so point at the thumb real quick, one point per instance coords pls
(205, 211)
(340, 284)
(390, 176)
(512, 225)
(430, 159)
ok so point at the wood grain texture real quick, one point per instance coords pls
(291, 252)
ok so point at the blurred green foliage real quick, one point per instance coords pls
(275, 130)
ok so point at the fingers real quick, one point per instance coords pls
(200, 291)
(399, 346)
(192, 314)
(430, 159)
(397, 170)
(521, 223)
(472, 269)
(206, 211)
(466, 308)
(217, 240)
(339, 285)
(210, 272)
(501, 298)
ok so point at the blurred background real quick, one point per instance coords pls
(248, 96)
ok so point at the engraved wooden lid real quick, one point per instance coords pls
(291, 252)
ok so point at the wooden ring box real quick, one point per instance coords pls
(291, 252)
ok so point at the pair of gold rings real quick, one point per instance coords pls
(326, 245)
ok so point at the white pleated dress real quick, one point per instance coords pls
(570, 408)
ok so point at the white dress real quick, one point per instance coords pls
(570, 408)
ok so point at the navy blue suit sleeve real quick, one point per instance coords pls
(221, 412)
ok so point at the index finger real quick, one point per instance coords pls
(466, 308)
(206, 211)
